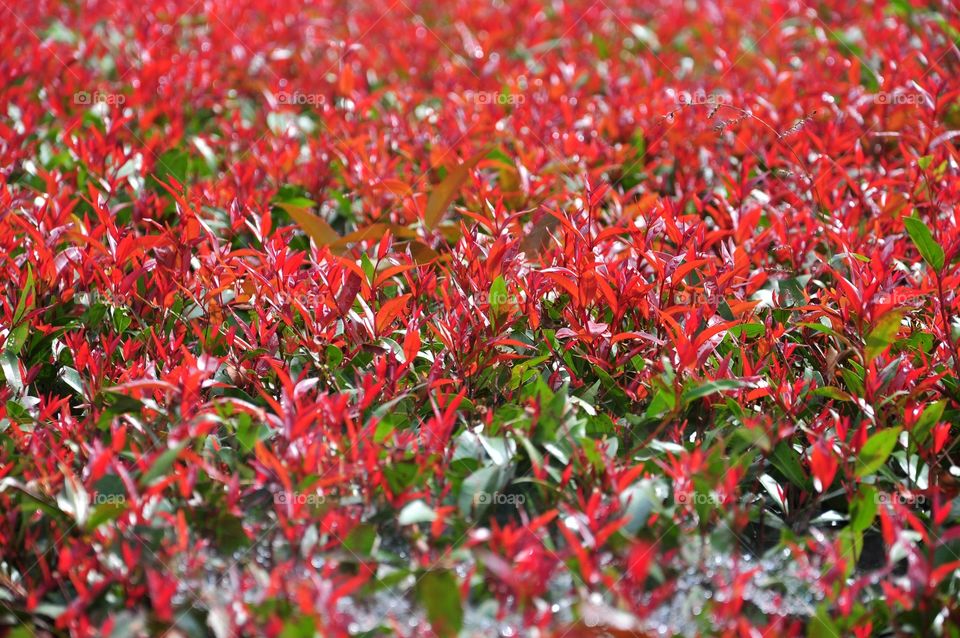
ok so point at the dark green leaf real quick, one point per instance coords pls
(439, 593)
(163, 463)
(876, 451)
(787, 461)
(929, 249)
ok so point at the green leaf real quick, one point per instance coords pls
(72, 378)
(863, 508)
(498, 295)
(876, 451)
(747, 330)
(712, 387)
(922, 237)
(401, 475)
(369, 268)
(17, 337)
(883, 334)
(638, 501)
(121, 320)
(786, 459)
(532, 452)
(853, 378)
(207, 153)
(175, 163)
(229, 533)
(17, 412)
(296, 202)
(821, 625)
(477, 490)
(105, 513)
(930, 417)
(819, 327)
(25, 297)
(663, 401)
(851, 548)
(116, 403)
(439, 593)
(10, 366)
(300, 627)
(361, 539)
(901, 7)
(248, 432)
(334, 356)
(163, 463)
(30, 502)
(832, 392)
(416, 512)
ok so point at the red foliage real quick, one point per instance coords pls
(324, 318)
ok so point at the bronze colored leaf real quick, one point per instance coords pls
(321, 232)
(446, 191)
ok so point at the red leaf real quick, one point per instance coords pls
(389, 311)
